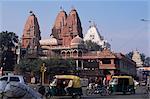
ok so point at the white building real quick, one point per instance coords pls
(137, 58)
(94, 35)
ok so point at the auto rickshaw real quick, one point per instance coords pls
(60, 83)
(122, 84)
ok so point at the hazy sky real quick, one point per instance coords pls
(117, 20)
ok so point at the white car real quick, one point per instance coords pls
(12, 78)
(14, 86)
(4, 80)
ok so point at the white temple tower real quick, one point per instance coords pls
(137, 58)
(94, 35)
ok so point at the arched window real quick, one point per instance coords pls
(68, 54)
(80, 53)
(63, 54)
(74, 53)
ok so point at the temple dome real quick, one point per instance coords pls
(47, 42)
(77, 41)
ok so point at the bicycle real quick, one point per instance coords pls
(102, 90)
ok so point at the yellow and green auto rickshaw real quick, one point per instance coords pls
(122, 84)
(65, 85)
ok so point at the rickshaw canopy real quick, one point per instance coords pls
(130, 78)
(76, 80)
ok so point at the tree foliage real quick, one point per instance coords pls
(143, 56)
(146, 60)
(129, 55)
(92, 46)
(53, 65)
(8, 40)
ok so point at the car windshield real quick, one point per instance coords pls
(16, 79)
(4, 79)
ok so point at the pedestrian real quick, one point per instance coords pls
(104, 81)
(69, 86)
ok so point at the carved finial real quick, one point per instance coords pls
(61, 8)
(92, 23)
(31, 12)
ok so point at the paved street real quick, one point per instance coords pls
(140, 94)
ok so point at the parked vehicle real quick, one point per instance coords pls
(122, 84)
(12, 78)
(14, 87)
(4, 80)
(65, 85)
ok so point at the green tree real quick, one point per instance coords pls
(147, 61)
(92, 46)
(129, 55)
(58, 64)
(143, 56)
(28, 65)
(8, 41)
(53, 65)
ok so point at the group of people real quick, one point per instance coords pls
(63, 86)
(99, 81)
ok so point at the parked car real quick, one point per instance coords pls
(14, 86)
(12, 78)
(4, 80)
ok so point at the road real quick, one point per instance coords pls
(140, 94)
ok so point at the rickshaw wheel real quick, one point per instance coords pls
(133, 92)
(104, 92)
(76, 97)
(88, 92)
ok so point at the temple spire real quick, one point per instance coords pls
(31, 33)
(61, 8)
(31, 12)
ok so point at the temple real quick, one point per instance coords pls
(66, 41)
(31, 35)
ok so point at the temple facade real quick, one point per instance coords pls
(66, 41)
(66, 38)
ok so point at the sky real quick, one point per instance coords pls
(119, 21)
